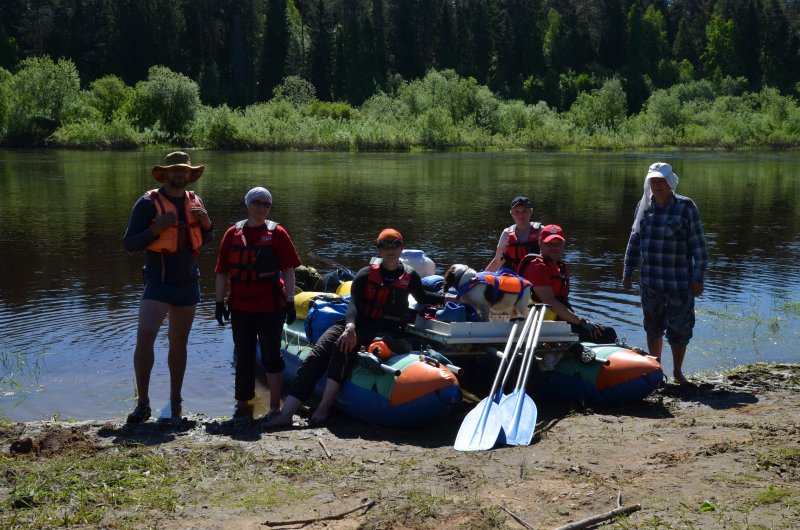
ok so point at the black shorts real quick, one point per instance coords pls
(179, 295)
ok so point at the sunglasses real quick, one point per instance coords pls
(263, 204)
(394, 243)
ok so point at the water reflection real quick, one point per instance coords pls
(69, 292)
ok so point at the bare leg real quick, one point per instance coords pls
(180, 324)
(678, 353)
(151, 316)
(275, 383)
(654, 347)
(284, 419)
(324, 407)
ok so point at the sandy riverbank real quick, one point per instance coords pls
(724, 455)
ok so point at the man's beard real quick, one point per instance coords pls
(178, 182)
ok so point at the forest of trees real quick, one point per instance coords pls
(238, 52)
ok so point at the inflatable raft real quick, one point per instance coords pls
(410, 390)
(618, 375)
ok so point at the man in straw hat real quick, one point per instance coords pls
(171, 225)
(667, 239)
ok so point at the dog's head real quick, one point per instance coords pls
(456, 275)
(308, 278)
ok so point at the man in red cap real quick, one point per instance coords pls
(378, 304)
(171, 225)
(550, 278)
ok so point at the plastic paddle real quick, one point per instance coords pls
(518, 409)
(483, 425)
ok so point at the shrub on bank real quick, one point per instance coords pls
(39, 95)
(93, 134)
(166, 101)
(43, 101)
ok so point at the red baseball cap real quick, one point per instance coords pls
(551, 232)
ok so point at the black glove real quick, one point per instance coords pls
(589, 327)
(291, 312)
(222, 313)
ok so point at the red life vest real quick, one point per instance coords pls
(170, 240)
(253, 261)
(378, 296)
(559, 276)
(516, 250)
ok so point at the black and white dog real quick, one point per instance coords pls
(501, 291)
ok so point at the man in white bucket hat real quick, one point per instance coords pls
(667, 239)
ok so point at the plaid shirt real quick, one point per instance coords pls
(670, 245)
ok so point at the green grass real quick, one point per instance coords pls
(785, 458)
(791, 306)
(124, 484)
(772, 495)
(78, 489)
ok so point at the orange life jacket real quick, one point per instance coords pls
(380, 297)
(169, 240)
(502, 281)
(516, 250)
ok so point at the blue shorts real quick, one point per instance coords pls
(673, 312)
(179, 295)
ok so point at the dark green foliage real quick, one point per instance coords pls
(166, 101)
(275, 56)
(237, 53)
(40, 96)
(239, 50)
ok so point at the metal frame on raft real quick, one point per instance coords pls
(459, 339)
(465, 339)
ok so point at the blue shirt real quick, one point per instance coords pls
(670, 246)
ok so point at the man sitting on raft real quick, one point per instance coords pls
(550, 278)
(378, 303)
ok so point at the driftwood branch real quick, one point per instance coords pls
(366, 506)
(518, 519)
(589, 521)
(325, 448)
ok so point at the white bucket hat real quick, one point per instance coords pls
(658, 170)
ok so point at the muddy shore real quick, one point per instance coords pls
(723, 454)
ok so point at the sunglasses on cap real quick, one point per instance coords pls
(394, 243)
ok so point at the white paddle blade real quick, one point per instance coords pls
(481, 428)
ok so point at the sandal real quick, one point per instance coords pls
(141, 413)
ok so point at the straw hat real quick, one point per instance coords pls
(177, 158)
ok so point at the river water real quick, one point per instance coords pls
(69, 292)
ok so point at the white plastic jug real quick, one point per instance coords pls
(419, 261)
